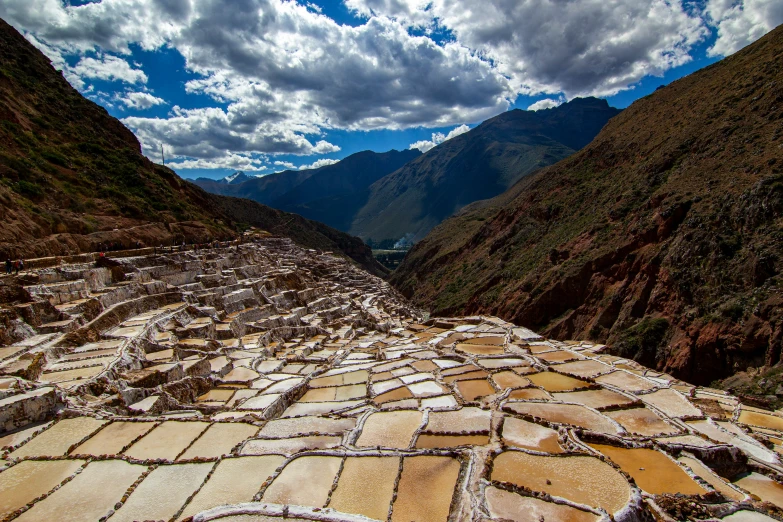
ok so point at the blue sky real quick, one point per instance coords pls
(265, 85)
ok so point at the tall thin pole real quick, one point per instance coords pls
(162, 157)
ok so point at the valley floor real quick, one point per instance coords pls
(264, 381)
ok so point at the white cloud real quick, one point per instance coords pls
(110, 68)
(230, 161)
(317, 164)
(140, 100)
(546, 103)
(315, 7)
(578, 47)
(741, 22)
(438, 138)
(416, 13)
(282, 73)
(286, 164)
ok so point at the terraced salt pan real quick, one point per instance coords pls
(89, 496)
(585, 369)
(337, 393)
(479, 349)
(219, 439)
(30, 479)
(366, 486)
(259, 403)
(284, 386)
(626, 381)
(282, 428)
(748, 516)
(392, 429)
(163, 492)
(427, 389)
(56, 440)
(556, 382)
(528, 394)
(671, 403)
(642, 421)
(234, 481)
(763, 420)
(471, 420)
(450, 441)
(714, 480)
(290, 446)
(317, 472)
(357, 377)
(71, 375)
(559, 356)
(491, 340)
(425, 490)
(572, 414)
(472, 390)
(478, 374)
(300, 409)
(510, 506)
(17, 437)
(736, 438)
(217, 394)
(527, 435)
(763, 487)
(581, 479)
(597, 399)
(167, 440)
(509, 379)
(653, 471)
(505, 362)
(113, 438)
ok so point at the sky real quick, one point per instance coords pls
(267, 85)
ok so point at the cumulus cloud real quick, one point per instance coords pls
(140, 100)
(546, 103)
(578, 47)
(415, 13)
(281, 73)
(286, 164)
(317, 164)
(110, 68)
(286, 72)
(741, 22)
(438, 138)
(243, 162)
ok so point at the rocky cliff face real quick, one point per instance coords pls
(72, 177)
(663, 237)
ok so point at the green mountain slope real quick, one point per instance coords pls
(72, 177)
(664, 236)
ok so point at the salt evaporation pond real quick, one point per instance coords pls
(269, 374)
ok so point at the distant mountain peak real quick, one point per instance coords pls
(236, 178)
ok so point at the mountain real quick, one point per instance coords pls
(663, 237)
(236, 178)
(72, 177)
(479, 164)
(388, 196)
(330, 194)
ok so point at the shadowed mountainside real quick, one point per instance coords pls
(663, 237)
(479, 164)
(72, 176)
(330, 194)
